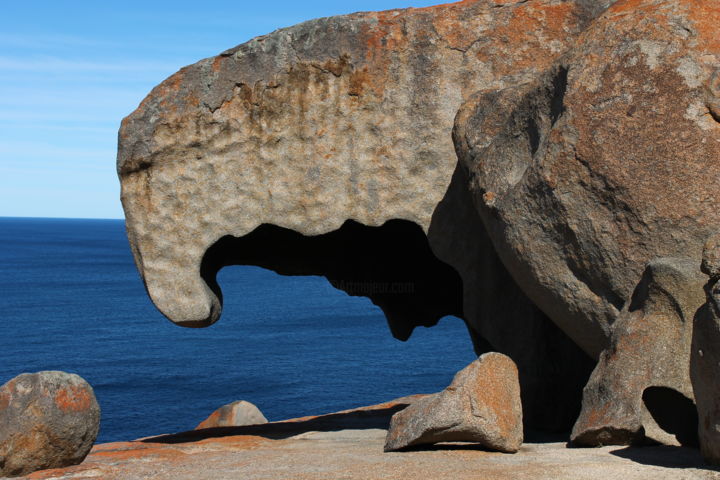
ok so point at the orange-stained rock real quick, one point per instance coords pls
(47, 420)
(338, 118)
(234, 414)
(482, 405)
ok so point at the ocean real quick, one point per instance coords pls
(72, 300)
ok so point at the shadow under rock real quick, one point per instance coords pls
(435, 447)
(674, 413)
(531, 437)
(665, 456)
(539, 436)
(351, 420)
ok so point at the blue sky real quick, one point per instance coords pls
(71, 70)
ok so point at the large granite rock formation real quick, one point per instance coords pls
(334, 119)
(482, 405)
(705, 363)
(47, 420)
(326, 149)
(594, 171)
(587, 174)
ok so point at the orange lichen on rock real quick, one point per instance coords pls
(217, 62)
(533, 33)
(73, 399)
(47, 419)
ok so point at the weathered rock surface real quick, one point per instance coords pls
(482, 405)
(586, 175)
(235, 414)
(325, 149)
(334, 119)
(705, 363)
(650, 347)
(47, 420)
(349, 445)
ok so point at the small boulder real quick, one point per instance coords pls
(234, 414)
(482, 405)
(47, 420)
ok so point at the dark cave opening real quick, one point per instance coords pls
(392, 264)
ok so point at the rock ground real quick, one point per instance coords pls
(349, 445)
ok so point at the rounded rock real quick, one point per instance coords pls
(48, 419)
(236, 414)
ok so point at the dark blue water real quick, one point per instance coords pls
(71, 300)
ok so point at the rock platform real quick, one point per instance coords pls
(349, 445)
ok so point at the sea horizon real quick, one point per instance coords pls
(294, 346)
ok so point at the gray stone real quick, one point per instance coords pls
(47, 420)
(235, 414)
(482, 405)
(650, 347)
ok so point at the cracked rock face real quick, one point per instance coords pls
(586, 175)
(482, 405)
(47, 420)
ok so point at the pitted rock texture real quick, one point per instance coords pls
(586, 175)
(47, 420)
(339, 118)
(314, 131)
(705, 362)
(236, 414)
(650, 347)
(482, 404)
